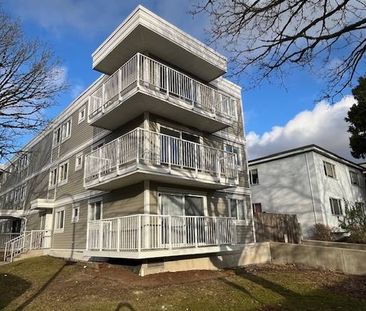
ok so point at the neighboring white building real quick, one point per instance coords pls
(309, 181)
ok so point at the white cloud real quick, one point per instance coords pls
(324, 126)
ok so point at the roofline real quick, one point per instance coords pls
(147, 11)
(300, 150)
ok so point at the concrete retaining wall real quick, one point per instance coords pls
(335, 244)
(349, 261)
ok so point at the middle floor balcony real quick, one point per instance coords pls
(144, 84)
(145, 155)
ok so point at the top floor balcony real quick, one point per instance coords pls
(144, 84)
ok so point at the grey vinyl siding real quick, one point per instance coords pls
(33, 222)
(74, 234)
(125, 201)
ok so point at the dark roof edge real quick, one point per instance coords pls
(300, 150)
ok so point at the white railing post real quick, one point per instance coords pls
(119, 83)
(217, 225)
(218, 168)
(167, 81)
(138, 70)
(139, 234)
(118, 145)
(192, 93)
(12, 252)
(138, 147)
(170, 231)
(31, 240)
(195, 160)
(118, 234)
(195, 232)
(100, 235)
(103, 97)
(87, 235)
(169, 153)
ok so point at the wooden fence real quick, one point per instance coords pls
(277, 228)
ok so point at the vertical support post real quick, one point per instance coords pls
(31, 240)
(139, 234)
(87, 234)
(195, 160)
(181, 153)
(118, 234)
(12, 252)
(167, 80)
(169, 153)
(119, 83)
(138, 70)
(138, 147)
(170, 231)
(218, 166)
(103, 97)
(217, 225)
(118, 152)
(100, 235)
(192, 93)
(195, 232)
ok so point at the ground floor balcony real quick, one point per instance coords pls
(144, 84)
(11, 213)
(145, 155)
(151, 236)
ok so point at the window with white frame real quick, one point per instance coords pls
(237, 209)
(96, 209)
(254, 177)
(354, 178)
(336, 206)
(82, 114)
(53, 178)
(63, 172)
(78, 161)
(60, 220)
(235, 150)
(75, 212)
(62, 133)
(329, 169)
(182, 204)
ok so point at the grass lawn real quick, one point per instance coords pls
(47, 283)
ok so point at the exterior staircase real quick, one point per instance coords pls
(26, 242)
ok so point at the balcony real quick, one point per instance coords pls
(143, 30)
(145, 155)
(143, 84)
(150, 236)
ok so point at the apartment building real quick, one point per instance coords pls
(148, 162)
(310, 181)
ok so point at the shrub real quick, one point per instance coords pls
(354, 222)
(322, 232)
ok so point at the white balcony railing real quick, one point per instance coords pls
(6, 237)
(146, 72)
(143, 147)
(142, 232)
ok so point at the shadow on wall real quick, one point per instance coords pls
(11, 287)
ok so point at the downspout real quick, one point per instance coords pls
(311, 187)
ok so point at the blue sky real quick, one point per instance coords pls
(276, 118)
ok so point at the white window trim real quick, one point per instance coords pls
(251, 178)
(62, 139)
(59, 230)
(183, 193)
(334, 169)
(357, 178)
(79, 167)
(240, 151)
(341, 205)
(52, 186)
(244, 221)
(94, 200)
(82, 119)
(73, 218)
(65, 181)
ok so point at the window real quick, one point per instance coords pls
(60, 220)
(53, 178)
(96, 210)
(354, 178)
(237, 209)
(78, 161)
(253, 176)
(75, 213)
(257, 208)
(329, 169)
(82, 114)
(62, 133)
(178, 204)
(236, 150)
(336, 206)
(63, 172)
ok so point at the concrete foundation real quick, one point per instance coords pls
(245, 255)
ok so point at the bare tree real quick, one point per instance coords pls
(30, 80)
(264, 37)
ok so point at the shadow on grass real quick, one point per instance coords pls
(11, 287)
(124, 306)
(344, 295)
(44, 287)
